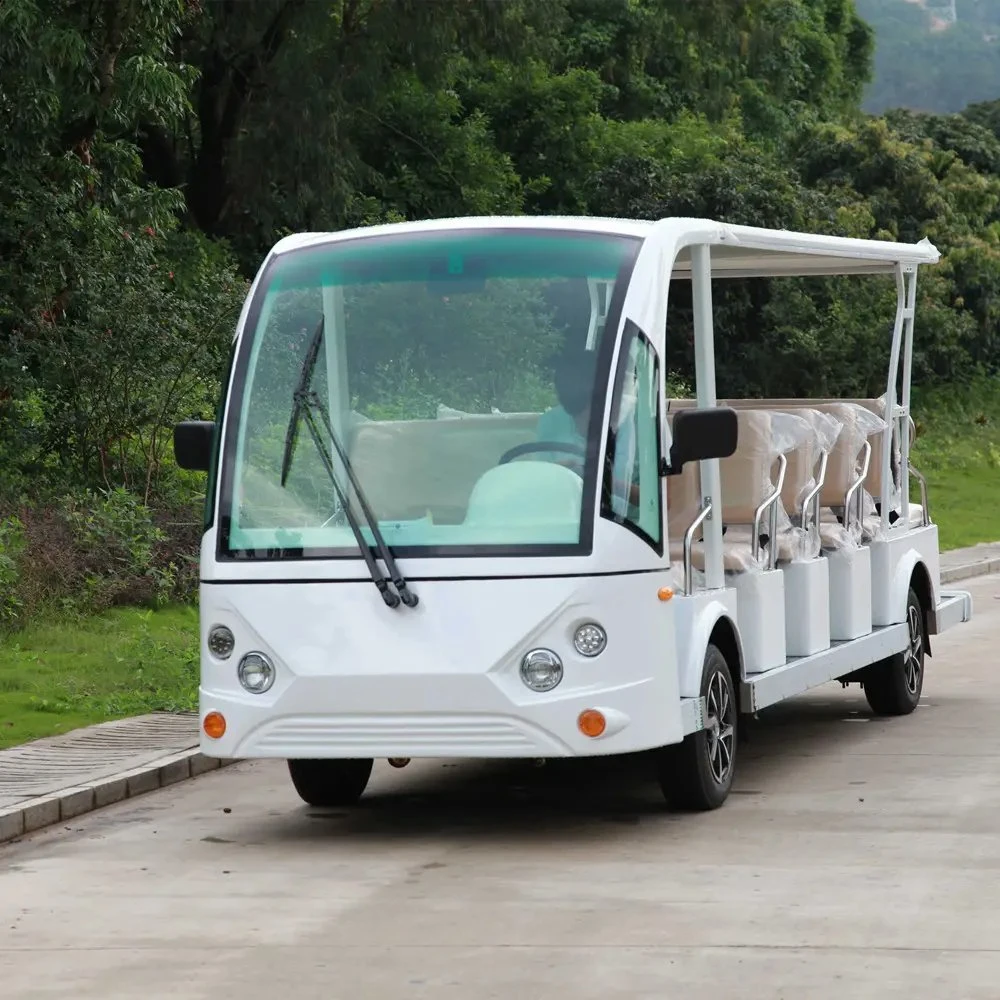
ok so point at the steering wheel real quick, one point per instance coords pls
(535, 446)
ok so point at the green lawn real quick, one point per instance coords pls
(958, 450)
(61, 675)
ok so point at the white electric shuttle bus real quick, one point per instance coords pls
(452, 512)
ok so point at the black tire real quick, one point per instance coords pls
(698, 773)
(331, 782)
(893, 685)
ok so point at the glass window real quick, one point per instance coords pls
(632, 482)
(464, 374)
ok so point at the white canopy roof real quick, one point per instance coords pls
(736, 251)
(746, 251)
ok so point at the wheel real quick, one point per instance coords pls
(893, 685)
(330, 782)
(698, 773)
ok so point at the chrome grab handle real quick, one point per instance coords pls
(812, 497)
(769, 503)
(689, 541)
(918, 476)
(856, 486)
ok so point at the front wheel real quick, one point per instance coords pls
(328, 783)
(698, 773)
(893, 685)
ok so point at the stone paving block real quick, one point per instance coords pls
(142, 780)
(175, 770)
(75, 802)
(40, 812)
(200, 764)
(11, 824)
(108, 792)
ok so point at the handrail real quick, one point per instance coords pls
(689, 541)
(813, 494)
(769, 502)
(923, 494)
(855, 486)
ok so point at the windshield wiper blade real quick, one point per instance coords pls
(409, 598)
(305, 401)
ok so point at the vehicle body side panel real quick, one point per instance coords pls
(696, 617)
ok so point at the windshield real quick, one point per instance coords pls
(464, 376)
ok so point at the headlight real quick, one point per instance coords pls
(541, 670)
(590, 639)
(256, 672)
(221, 642)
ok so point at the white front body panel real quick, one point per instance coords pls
(356, 679)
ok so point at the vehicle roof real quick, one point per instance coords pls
(737, 251)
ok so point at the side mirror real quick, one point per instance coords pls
(193, 444)
(702, 434)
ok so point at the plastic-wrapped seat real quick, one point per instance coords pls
(748, 491)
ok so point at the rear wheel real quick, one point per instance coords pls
(331, 782)
(698, 773)
(893, 685)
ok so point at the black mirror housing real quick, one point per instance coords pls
(702, 434)
(193, 441)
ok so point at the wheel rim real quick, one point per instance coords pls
(719, 727)
(913, 658)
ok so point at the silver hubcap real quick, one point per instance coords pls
(913, 658)
(719, 727)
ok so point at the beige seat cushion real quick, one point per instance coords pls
(736, 555)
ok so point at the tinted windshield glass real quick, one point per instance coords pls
(459, 371)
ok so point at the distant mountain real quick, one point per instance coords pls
(933, 55)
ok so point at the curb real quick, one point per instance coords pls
(68, 803)
(984, 567)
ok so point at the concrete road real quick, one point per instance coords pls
(856, 858)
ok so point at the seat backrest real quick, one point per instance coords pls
(841, 470)
(746, 474)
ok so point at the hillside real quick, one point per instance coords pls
(933, 55)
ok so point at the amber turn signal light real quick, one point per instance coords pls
(214, 725)
(591, 722)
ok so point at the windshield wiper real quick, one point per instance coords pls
(304, 402)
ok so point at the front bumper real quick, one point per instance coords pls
(443, 679)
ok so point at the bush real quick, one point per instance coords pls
(12, 544)
(88, 551)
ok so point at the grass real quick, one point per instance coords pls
(958, 449)
(61, 675)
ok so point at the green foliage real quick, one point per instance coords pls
(116, 540)
(12, 545)
(925, 64)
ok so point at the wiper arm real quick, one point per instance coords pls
(305, 401)
(311, 401)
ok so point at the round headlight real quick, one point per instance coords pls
(541, 669)
(221, 642)
(590, 639)
(256, 672)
